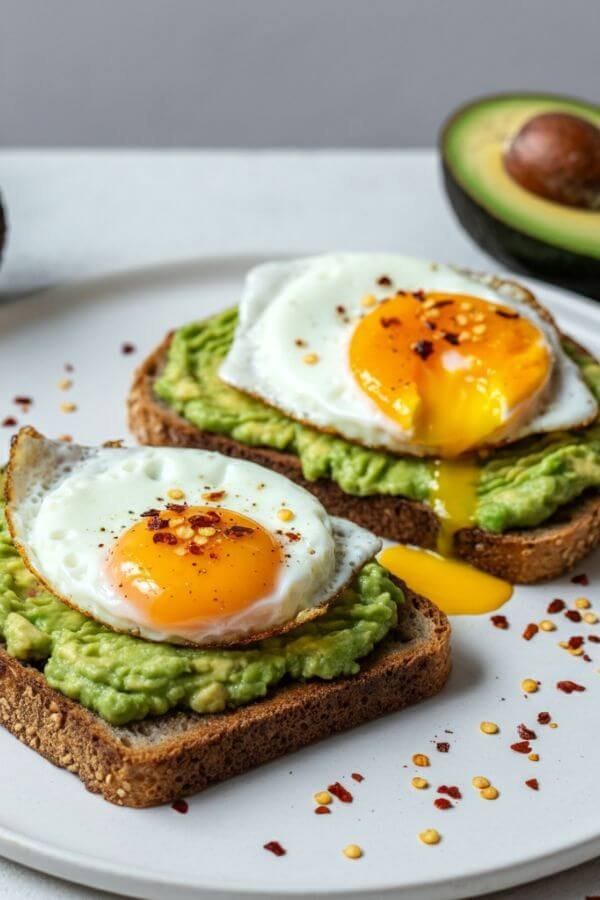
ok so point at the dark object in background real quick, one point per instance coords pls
(500, 154)
(2, 228)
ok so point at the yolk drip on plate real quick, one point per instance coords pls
(189, 564)
(454, 372)
(455, 586)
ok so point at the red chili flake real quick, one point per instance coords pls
(155, 524)
(573, 615)
(357, 776)
(205, 520)
(442, 803)
(195, 549)
(340, 309)
(506, 315)
(176, 507)
(499, 622)
(451, 338)
(127, 348)
(384, 280)
(164, 537)
(300, 343)
(23, 401)
(214, 495)
(521, 747)
(238, 530)
(338, 790)
(533, 783)
(423, 349)
(322, 810)
(431, 325)
(525, 733)
(544, 718)
(451, 790)
(556, 605)
(292, 536)
(275, 848)
(531, 630)
(586, 658)
(150, 513)
(569, 686)
(594, 638)
(388, 321)
(418, 295)
(580, 579)
(180, 806)
(575, 642)
(9, 422)
(440, 303)
(443, 746)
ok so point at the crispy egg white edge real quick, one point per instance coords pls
(305, 582)
(264, 362)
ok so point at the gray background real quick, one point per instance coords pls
(255, 73)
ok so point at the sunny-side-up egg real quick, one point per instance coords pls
(177, 545)
(396, 353)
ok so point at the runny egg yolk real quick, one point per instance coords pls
(189, 564)
(455, 586)
(454, 371)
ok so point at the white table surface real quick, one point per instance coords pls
(73, 215)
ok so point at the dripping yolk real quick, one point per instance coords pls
(453, 371)
(194, 563)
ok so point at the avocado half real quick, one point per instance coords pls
(525, 231)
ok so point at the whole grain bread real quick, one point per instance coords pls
(162, 759)
(522, 556)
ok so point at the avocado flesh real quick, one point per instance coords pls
(532, 235)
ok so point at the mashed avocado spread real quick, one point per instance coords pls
(123, 678)
(520, 486)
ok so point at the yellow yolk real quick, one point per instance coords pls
(455, 586)
(452, 371)
(189, 564)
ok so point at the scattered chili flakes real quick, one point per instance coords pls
(451, 338)
(569, 686)
(357, 776)
(423, 349)
(533, 783)
(275, 848)
(22, 401)
(525, 733)
(384, 280)
(164, 537)
(506, 315)
(521, 747)
(544, 718)
(157, 524)
(594, 638)
(238, 530)
(443, 747)
(499, 622)
(451, 790)
(292, 536)
(322, 810)
(442, 803)
(300, 343)
(180, 806)
(213, 495)
(419, 295)
(580, 579)
(573, 615)
(388, 321)
(128, 348)
(531, 630)
(176, 507)
(205, 520)
(338, 790)
(575, 642)
(9, 422)
(556, 605)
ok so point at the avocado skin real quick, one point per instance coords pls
(519, 251)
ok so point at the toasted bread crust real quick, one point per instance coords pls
(159, 760)
(523, 556)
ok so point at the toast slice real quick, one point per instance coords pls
(162, 759)
(522, 556)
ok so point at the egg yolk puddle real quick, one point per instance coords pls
(454, 586)
(453, 371)
(188, 564)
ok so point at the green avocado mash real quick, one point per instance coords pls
(123, 678)
(520, 486)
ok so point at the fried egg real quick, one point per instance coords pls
(399, 354)
(178, 545)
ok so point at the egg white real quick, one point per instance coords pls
(283, 303)
(66, 500)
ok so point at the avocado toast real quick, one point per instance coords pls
(144, 721)
(538, 509)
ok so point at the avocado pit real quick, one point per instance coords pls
(557, 156)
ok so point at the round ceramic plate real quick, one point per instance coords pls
(49, 821)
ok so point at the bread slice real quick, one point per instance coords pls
(159, 760)
(522, 556)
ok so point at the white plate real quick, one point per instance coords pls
(49, 821)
